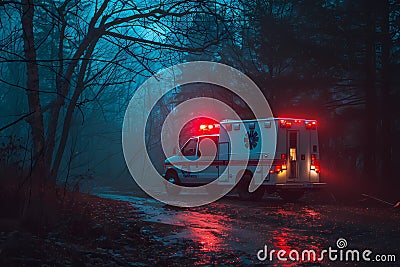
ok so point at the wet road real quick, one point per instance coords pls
(244, 228)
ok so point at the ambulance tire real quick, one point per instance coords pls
(171, 177)
(291, 195)
(243, 189)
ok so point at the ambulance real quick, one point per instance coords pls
(292, 170)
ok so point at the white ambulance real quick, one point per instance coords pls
(293, 169)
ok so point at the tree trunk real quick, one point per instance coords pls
(70, 110)
(385, 99)
(370, 143)
(36, 119)
(53, 122)
(63, 89)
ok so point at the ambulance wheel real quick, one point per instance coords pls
(243, 189)
(172, 178)
(291, 195)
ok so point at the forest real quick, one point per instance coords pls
(69, 68)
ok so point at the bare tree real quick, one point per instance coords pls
(92, 39)
(32, 84)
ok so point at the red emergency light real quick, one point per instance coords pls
(278, 168)
(285, 124)
(209, 128)
(315, 166)
(311, 125)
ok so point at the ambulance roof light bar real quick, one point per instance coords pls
(208, 127)
(287, 123)
(311, 124)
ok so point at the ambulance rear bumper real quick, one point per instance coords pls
(300, 185)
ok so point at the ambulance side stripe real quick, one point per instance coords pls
(232, 162)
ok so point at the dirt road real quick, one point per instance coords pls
(242, 229)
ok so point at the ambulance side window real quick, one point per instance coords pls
(208, 150)
(190, 148)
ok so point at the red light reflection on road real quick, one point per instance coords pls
(208, 229)
(286, 239)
